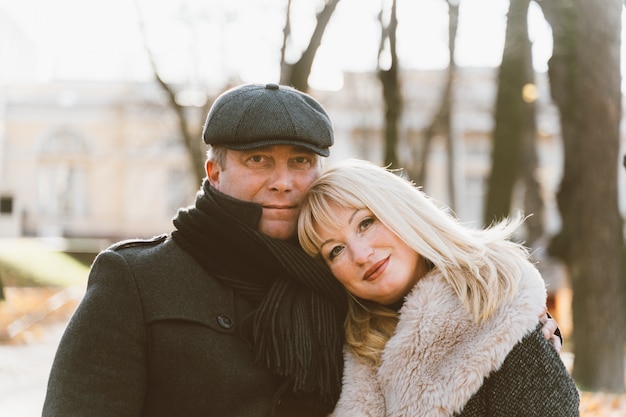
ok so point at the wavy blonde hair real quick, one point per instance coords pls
(481, 265)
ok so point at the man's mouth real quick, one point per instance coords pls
(279, 207)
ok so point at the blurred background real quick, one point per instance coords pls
(492, 106)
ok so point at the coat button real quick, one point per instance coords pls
(225, 322)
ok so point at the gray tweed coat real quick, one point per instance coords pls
(157, 336)
(439, 363)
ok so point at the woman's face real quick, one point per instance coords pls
(368, 259)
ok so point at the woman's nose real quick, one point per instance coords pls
(362, 252)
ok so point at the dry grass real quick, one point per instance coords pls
(26, 311)
(598, 404)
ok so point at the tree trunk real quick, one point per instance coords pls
(585, 82)
(285, 69)
(391, 88)
(190, 136)
(533, 201)
(191, 141)
(441, 123)
(453, 25)
(513, 116)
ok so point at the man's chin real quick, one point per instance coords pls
(282, 230)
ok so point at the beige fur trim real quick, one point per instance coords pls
(438, 357)
(361, 395)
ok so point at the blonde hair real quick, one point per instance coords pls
(481, 265)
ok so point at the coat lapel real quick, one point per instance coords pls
(438, 357)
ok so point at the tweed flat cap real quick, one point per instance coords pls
(255, 115)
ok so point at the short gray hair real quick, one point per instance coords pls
(217, 155)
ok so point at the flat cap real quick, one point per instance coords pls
(255, 115)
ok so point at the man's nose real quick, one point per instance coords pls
(281, 178)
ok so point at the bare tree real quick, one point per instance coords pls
(188, 127)
(533, 201)
(585, 81)
(190, 135)
(297, 74)
(285, 68)
(441, 123)
(514, 132)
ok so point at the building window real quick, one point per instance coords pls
(62, 177)
(62, 191)
(6, 205)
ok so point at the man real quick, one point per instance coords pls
(225, 316)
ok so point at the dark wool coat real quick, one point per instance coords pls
(439, 363)
(157, 336)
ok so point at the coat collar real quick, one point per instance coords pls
(449, 354)
(438, 357)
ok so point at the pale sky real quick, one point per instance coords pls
(208, 40)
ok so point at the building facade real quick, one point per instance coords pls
(105, 160)
(95, 160)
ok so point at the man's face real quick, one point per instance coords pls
(275, 177)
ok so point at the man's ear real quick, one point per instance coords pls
(212, 173)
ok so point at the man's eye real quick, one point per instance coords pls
(257, 161)
(302, 161)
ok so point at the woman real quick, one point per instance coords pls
(443, 318)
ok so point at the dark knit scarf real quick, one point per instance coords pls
(298, 324)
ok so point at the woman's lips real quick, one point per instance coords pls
(376, 270)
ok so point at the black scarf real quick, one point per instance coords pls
(298, 324)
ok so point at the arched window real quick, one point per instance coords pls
(61, 177)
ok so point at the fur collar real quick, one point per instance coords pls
(438, 357)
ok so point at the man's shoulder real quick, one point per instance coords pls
(153, 250)
(158, 253)
(170, 283)
(138, 243)
(151, 258)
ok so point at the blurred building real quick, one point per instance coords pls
(95, 160)
(357, 112)
(105, 160)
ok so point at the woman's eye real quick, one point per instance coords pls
(365, 223)
(334, 252)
